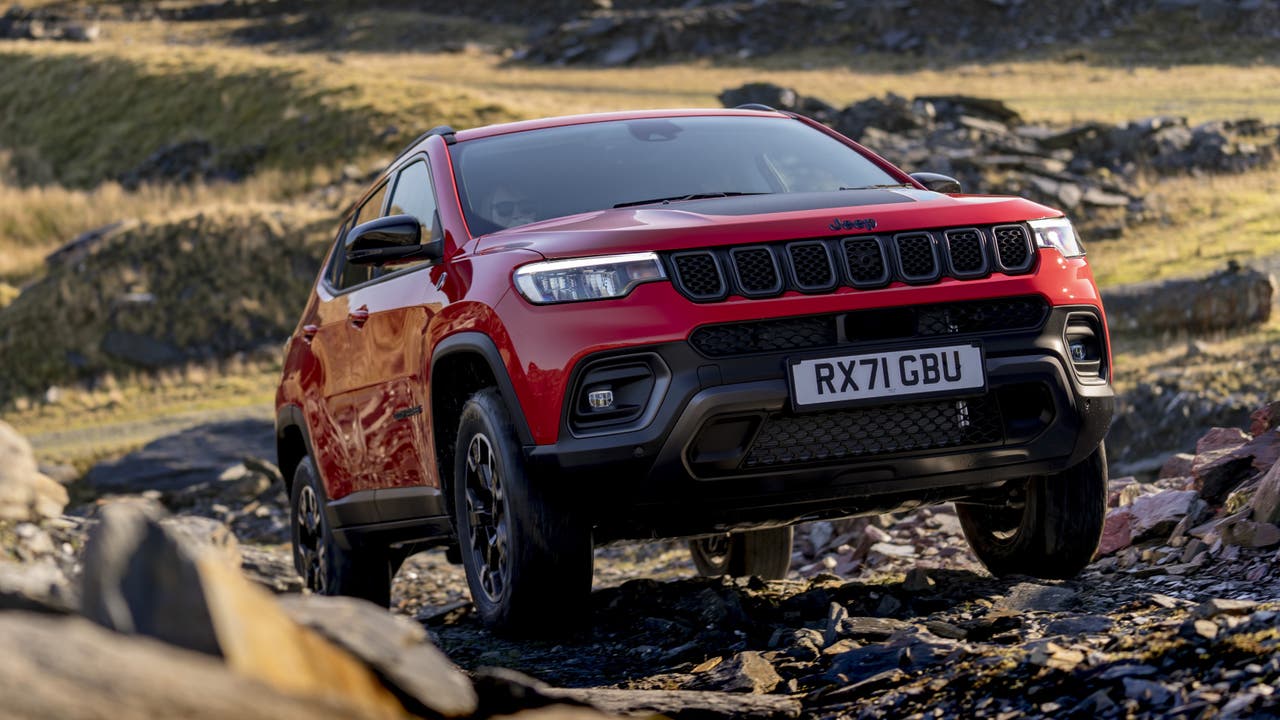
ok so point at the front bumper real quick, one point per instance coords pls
(720, 448)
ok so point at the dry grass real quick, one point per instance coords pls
(36, 220)
(1203, 222)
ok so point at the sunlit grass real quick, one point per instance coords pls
(1203, 222)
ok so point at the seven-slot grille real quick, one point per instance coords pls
(865, 261)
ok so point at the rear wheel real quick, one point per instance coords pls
(1054, 529)
(762, 553)
(325, 567)
(527, 554)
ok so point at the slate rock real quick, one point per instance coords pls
(746, 672)
(1043, 598)
(1079, 625)
(184, 459)
(35, 587)
(1265, 504)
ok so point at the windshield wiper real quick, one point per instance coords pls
(879, 187)
(694, 196)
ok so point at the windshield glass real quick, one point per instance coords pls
(524, 177)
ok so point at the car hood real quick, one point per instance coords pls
(760, 218)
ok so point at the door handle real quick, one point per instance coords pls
(359, 316)
(309, 333)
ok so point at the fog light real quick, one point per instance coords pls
(1078, 352)
(600, 399)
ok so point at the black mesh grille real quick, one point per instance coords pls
(818, 331)
(981, 316)
(698, 275)
(765, 336)
(811, 265)
(964, 247)
(1013, 247)
(866, 263)
(756, 271)
(840, 435)
(916, 256)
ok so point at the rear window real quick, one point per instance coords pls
(510, 180)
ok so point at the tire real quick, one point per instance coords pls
(761, 553)
(1054, 534)
(325, 567)
(527, 555)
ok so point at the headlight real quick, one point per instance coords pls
(594, 278)
(1059, 235)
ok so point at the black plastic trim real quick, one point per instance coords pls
(1027, 240)
(483, 345)
(884, 278)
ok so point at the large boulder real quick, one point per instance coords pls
(1233, 298)
(25, 493)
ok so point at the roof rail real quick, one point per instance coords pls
(443, 130)
(756, 106)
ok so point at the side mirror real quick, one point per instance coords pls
(937, 183)
(397, 238)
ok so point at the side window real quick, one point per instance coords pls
(348, 276)
(414, 196)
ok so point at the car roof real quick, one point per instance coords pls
(539, 124)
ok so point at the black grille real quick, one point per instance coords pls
(865, 261)
(840, 435)
(698, 275)
(757, 272)
(916, 257)
(1013, 247)
(765, 336)
(980, 316)
(964, 249)
(812, 266)
(900, 323)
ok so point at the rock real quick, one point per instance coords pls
(1147, 692)
(25, 493)
(1080, 625)
(35, 587)
(746, 672)
(1265, 504)
(203, 533)
(1052, 655)
(1219, 439)
(395, 647)
(141, 578)
(1222, 606)
(1265, 418)
(869, 628)
(1178, 465)
(1035, 597)
(1217, 474)
(185, 459)
(1158, 513)
(917, 581)
(1117, 531)
(72, 669)
(1229, 299)
(682, 704)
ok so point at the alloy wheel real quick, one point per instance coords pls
(310, 539)
(487, 518)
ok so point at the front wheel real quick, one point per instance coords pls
(763, 553)
(527, 554)
(1054, 530)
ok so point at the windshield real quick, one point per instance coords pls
(510, 180)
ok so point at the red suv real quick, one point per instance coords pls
(534, 338)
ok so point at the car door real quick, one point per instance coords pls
(401, 303)
(338, 342)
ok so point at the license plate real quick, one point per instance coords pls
(893, 374)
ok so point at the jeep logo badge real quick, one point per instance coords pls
(860, 224)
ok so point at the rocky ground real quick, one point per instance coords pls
(888, 616)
